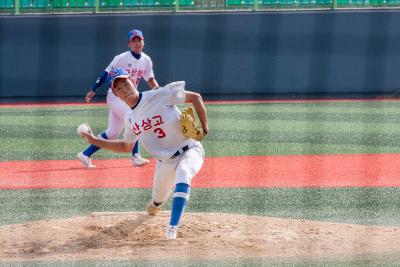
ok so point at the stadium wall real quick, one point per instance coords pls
(304, 53)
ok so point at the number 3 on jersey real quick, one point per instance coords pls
(159, 132)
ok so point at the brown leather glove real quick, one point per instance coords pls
(189, 127)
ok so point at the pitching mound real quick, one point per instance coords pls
(138, 236)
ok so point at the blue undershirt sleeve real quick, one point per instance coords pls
(99, 82)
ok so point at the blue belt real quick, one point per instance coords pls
(177, 153)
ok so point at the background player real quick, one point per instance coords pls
(138, 65)
(155, 120)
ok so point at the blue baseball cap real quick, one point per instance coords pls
(114, 74)
(135, 33)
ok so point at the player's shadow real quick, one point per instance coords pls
(95, 236)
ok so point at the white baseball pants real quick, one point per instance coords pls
(181, 169)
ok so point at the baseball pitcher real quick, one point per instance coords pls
(168, 135)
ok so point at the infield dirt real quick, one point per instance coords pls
(138, 236)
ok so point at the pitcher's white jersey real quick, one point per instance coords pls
(155, 121)
(137, 68)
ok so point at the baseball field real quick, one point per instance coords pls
(284, 183)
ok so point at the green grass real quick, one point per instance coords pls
(373, 206)
(235, 130)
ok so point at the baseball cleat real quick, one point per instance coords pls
(171, 232)
(137, 160)
(151, 209)
(85, 160)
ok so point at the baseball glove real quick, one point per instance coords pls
(189, 127)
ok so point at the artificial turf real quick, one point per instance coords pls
(360, 127)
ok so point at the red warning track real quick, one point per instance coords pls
(379, 170)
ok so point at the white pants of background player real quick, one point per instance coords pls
(181, 169)
(118, 109)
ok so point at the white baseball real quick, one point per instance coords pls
(83, 128)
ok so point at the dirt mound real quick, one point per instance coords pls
(137, 236)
